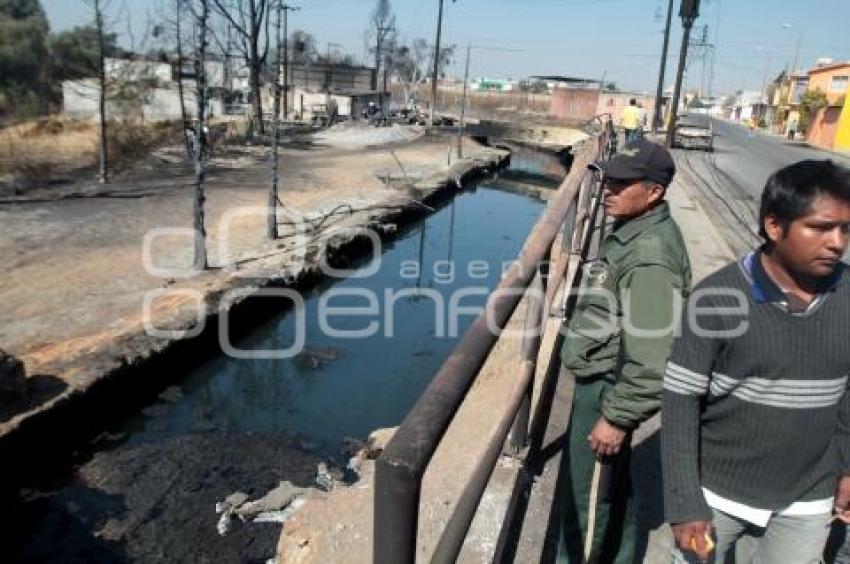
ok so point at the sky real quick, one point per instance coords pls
(621, 39)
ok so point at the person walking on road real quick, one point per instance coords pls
(616, 345)
(756, 416)
(632, 121)
(793, 124)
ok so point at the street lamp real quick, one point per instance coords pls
(797, 48)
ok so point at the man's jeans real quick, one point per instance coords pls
(787, 539)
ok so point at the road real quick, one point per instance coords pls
(728, 182)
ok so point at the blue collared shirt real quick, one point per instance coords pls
(764, 290)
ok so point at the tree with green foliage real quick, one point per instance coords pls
(75, 53)
(23, 56)
(810, 103)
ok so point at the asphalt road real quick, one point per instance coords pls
(728, 182)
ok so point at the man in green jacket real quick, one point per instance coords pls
(616, 345)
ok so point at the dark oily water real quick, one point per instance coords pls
(346, 387)
(147, 491)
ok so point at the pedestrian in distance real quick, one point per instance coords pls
(756, 416)
(632, 121)
(616, 346)
(793, 124)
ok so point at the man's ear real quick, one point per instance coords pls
(656, 193)
(773, 228)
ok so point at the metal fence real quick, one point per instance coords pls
(400, 468)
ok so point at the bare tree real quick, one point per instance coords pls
(271, 222)
(178, 16)
(201, 15)
(412, 64)
(250, 19)
(382, 24)
(98, 6)
(177, 26)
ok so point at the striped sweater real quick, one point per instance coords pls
(754, 405)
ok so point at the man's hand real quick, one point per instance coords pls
(695, 537)
(606, 439)
(842, 499)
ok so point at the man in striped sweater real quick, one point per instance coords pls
(755, 414)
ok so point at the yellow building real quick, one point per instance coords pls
(842, 136)
(830, 123)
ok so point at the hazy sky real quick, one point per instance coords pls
(565, 37)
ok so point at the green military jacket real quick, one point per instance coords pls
(627, 312)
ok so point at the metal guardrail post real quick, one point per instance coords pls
(531, 335)
(451, 541)
(397, 491)
(400, 467)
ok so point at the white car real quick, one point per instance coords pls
(694, 133)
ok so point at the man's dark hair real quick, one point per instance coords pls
(790, 191)
(632, 102)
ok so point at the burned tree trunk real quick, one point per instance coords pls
(101, 66)
(200, 261)
(183, 116)
(271, 223)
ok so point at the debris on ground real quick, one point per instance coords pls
(356, 135)
(172, 394)
(324, 479)
(274, 507)
(371, 449)
(317, 357)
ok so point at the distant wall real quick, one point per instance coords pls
(574, 104)
(824, 127)
(483, 105)
(320, 76)
(80, 99)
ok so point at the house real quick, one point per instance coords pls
(748, 104)
(494, 85)
(312, 85)
(141, 89)
(784, 95)
(148, 90)
(833, 79)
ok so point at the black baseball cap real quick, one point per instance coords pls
(640, 160)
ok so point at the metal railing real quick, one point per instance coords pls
(400, 468)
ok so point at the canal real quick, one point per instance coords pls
(145, 490)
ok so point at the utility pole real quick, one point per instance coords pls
(436, 71)
(466, 89)
(689, 11)
(659, 91)
(797, 50)
(463, 104)
(704, 44)
(286, 9)
(764, 87)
